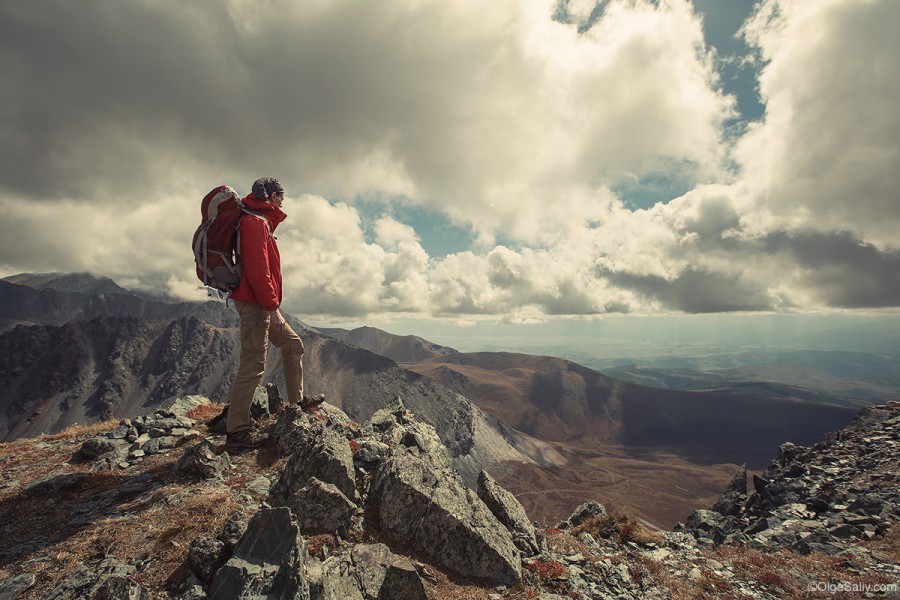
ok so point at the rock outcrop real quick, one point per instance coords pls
(377, 508)
(510, 512)
(267, 561)
(814, 498)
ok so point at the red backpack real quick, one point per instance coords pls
(217, 239)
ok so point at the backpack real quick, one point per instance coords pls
(217, 240)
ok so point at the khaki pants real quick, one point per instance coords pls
(255, 335)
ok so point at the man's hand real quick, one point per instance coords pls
(276, 321)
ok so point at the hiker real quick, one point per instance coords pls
(257, 299)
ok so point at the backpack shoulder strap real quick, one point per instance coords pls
(262, 218)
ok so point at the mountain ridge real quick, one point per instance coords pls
(542, 420)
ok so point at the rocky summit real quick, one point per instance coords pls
(816, 498)
(153, 507)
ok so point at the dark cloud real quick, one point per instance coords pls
(100, 96)
(695, 290)
(843, 270)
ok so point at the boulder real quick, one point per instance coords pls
(201, 460)
(206, 555)
(732, 500)
(315, 451)
(510, 512)
(267, 561)
(98, 446)
(321, 507)
(372, 562)
(402, 581)
(431, 511)
(233, 530)
(368, 572)
(583, 513)
(336, 580)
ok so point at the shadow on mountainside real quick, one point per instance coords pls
(708, 429)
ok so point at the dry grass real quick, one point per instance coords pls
(788, 575)
(77, 431)
(206, 412)
(145, 515)
(620, 527)
(889, 544)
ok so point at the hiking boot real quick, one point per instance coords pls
(308, 403)
(245, 439)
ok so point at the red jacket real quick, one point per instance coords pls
(261, 277)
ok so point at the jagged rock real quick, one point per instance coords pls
(201, 460)
(432, 511)
(402, 581)
(274, 398)
(233, 530)
(121, 588)
(86, 579)
(759, 484)
(735, 494)
(336, 580)
(267, 561)
(193, 589)
(510, 512)
(15, 587)
(53, 484)
(259, 408)
(206, 555)
(315, 450)
(98, 446)
(372, 562)
(396, 426)
(388, 416)
(815, 498)
(582, 513)
(370, 451)
(367, 572)
(321, 507)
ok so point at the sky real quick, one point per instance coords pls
(514, 162)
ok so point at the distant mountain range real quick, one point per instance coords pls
(555, 432)
(823, 376)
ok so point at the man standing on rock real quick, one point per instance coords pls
(257, 299)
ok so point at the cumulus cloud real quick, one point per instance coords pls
(511, 121)
(826, 156)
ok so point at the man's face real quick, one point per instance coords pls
(278, 198)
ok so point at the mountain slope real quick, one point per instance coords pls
(554, 399)
(85, 372)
